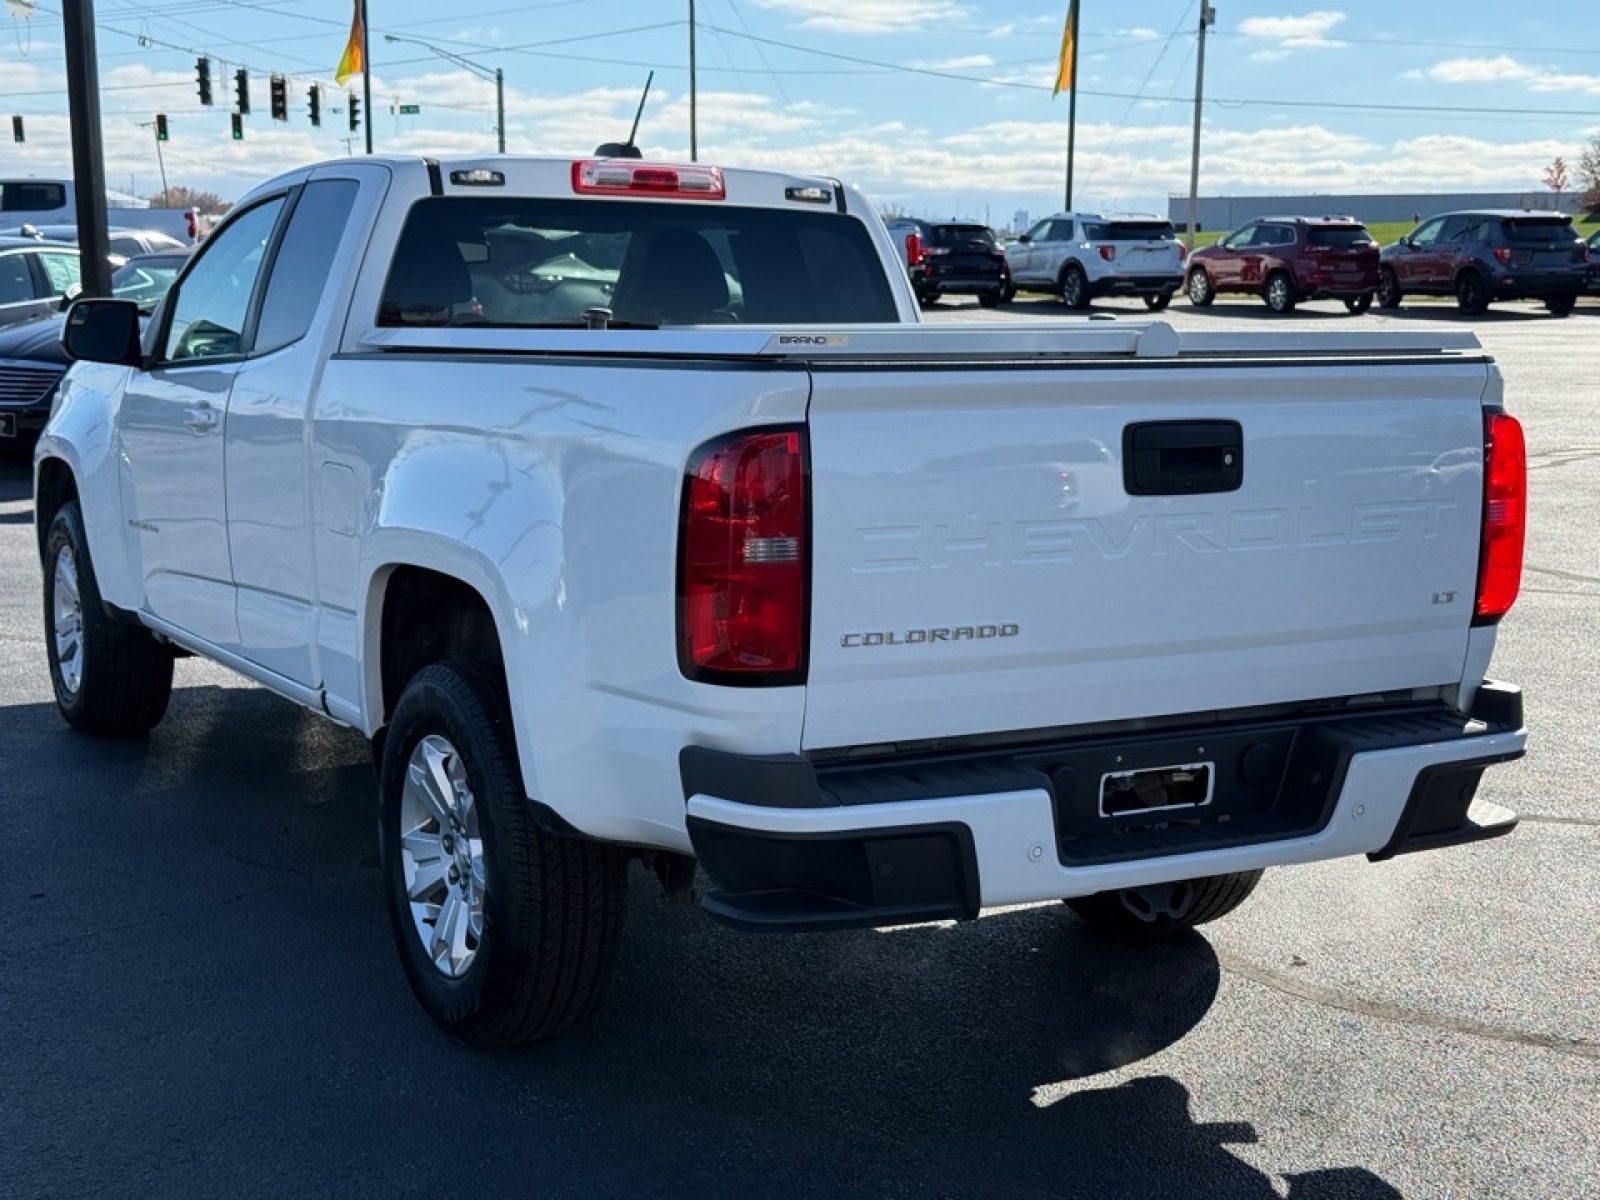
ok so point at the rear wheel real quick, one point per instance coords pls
(1388, 288)
(991, 299)
(1201, 293)
(1166, 907)
(507, 933)
(1279, 293)
(109, 678)
(1074, 287)
(1472, 297)
(1359, 304)
(1157, 303)
(1560, 306)
(1008, 293)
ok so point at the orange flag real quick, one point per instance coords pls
(1069, 52)
(354, 59)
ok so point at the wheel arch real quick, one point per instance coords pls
(53, 485)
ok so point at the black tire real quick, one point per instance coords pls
(1389, 293)
(1167, 907)
(1157, 303)
(110, 678)
(552, 908)
(991, 299)
(1357, 305)
(1560, 306)
(1279, 293)
(1008, 293)
(1199, 289)
(1074, 287)
(1472, 297)
(927, 299)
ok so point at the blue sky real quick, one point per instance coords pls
(935, 107)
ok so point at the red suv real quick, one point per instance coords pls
(1285, 260)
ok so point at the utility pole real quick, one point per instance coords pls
(1208, 17)
(694, 143)
(366, 74)
(88, 149)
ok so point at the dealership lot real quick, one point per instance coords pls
(200, 996)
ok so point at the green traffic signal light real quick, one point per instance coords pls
(238, 127)
(161, 127)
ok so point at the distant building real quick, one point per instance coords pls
(1020, 221)
(1230, 212)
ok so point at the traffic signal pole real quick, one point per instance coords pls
(88, 147)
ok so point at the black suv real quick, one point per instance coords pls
(946, 257)
(1493, 254)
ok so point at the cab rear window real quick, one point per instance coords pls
(546, 262)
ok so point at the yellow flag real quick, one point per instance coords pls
(354, 59)
(1069, 51)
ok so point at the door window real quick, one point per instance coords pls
(304, 260)
(62, 270)
(16, 283)
(1428, 234)
(209, 311)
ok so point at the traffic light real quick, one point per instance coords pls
(314, 98)
(202, 79)
(280, 98)
(16, 130)
(241, 90)
(355, 113)
(161, 127)
(238, 127)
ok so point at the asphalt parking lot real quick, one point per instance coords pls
(200, 996)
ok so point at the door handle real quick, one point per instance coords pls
(202, 419)
(1176, 458)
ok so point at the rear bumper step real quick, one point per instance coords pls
(794, 845)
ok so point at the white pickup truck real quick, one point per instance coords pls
(630, 513)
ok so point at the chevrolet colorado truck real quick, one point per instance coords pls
(630, 512)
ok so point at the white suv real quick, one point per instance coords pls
(1082, 256)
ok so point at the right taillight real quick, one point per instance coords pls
(914, 254)
(1109, 253)
(1505, 517)
(743, 561)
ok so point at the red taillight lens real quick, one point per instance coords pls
(1183, 252)
(742, 582)
(1109, 253)
(1503, 253)
(913, 249)
(1505, 514)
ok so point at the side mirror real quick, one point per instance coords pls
(105, 331)
(1404, 241)
(74, 290)
(1027, 237)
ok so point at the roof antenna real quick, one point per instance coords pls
(628, 149)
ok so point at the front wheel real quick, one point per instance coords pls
(508, 933)
(1388, 288)
(1157, 303)
(1074, 287)
(1280, 295)
(1201, 293)
(109, 678)
(1166, 907)
(1359, 304)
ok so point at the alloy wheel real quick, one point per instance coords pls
(441, 852)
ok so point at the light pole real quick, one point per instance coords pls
(477, 69)
(1208, 18)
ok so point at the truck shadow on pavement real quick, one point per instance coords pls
(206, 977)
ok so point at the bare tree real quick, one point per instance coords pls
(182, 197)
(1555, 177)
(1589, 172)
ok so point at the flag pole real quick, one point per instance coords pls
(366, 75)
(1072, 95)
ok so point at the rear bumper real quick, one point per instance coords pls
(964, 282)
(1136, 285)
(790, 846)
(1536, 287)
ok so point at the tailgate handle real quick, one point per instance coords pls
(1182, 458)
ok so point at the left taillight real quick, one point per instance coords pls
(743, 560)
(1505, 517)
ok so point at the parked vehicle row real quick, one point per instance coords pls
(1476, 257)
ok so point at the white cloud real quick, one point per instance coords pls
(869, 16)
(967, 63)
(1480, 70)
(1291, 34)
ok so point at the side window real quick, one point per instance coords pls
(16, 282)
(1095, 231)
(1279, 235)
(304, 259)
(123, 244)
(209, 311)
(1473, 229)
(1040, 232)
(62, 270)
(1428, 234)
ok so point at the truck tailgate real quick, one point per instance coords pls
(979, 564)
